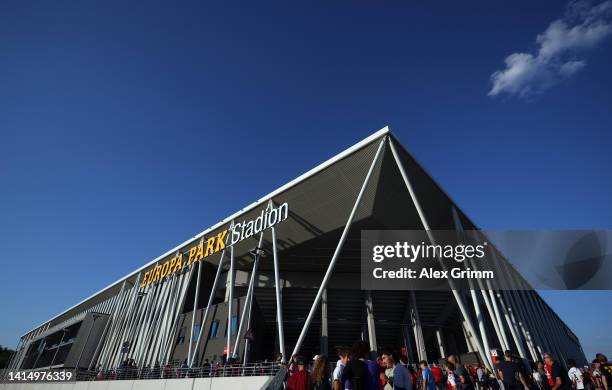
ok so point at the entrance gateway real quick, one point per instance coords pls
(285, 271)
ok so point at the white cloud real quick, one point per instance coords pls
(570, 67)
(584, 26)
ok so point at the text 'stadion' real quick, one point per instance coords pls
(206, 247)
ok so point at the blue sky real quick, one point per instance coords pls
(126, 127)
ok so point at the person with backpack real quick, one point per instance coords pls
(353, 374)
(510, 373)
(361, 372)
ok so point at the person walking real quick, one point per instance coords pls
(359, 371)
(400, 379)
(451, 380)
(539, 374)
(429, 381)
(343, 356)
(605, 368)
(437, 373)
(481, 377)
(598, 378)
(575, 375)
(293, 365)
(556, 375)
(462, 376)
(388, 376)
(510, 373)
(319, 377)
(299, 380)
(353, 374)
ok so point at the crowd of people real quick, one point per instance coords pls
(355, 370)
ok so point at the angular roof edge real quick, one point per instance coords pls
(359, 145)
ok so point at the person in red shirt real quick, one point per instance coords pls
(437, 373)
(299, 380)
(557, 376)
(413, 375)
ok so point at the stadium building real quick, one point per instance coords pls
(282, 275)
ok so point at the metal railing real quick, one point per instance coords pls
(169, 372)
(173, 372)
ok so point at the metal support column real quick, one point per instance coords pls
(516, 316)
(532, 328)
(194, 355)
(483, 290)
(249, 296)
(492, 315)
(336, 254)
(175, 312)
(110, 319)
(484, 355)
(530, 300)
(476, 303)
(550, 324)
(370, 320)
(279, 308)
(512, 327)
(440, 340)
(195, 310)
(246, 341)
(498, 319)
(417, 328)
(230, 298)
(324, 329)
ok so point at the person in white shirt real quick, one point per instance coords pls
(337, 375)
(575, 375)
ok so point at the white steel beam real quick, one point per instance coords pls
(369, 305)
(417, 327)
(194, 312)
(111, 318)
(468, 321)
(194, 355)
(176, 311)
(249, 296)
(230, 286)
(279, 308)
(336, 254)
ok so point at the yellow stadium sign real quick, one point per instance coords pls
(214, 244)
